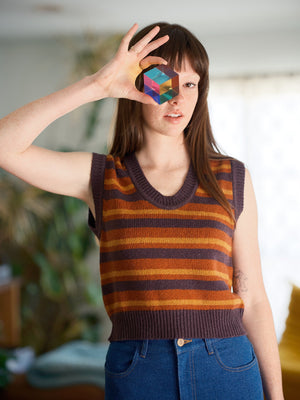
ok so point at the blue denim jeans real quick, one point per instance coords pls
(182, 369)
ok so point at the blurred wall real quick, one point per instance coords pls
(32, 68)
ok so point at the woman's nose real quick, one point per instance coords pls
(177, 99)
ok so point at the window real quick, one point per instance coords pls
(257, 120)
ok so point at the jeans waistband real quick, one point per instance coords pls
(180, 345)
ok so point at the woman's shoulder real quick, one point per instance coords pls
(226, 163)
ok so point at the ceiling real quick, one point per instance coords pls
(27, 18)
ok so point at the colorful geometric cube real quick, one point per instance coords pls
(161, 83)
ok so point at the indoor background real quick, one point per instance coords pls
(254, 100)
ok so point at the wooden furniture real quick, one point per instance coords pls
(20, 389)
(10, 313)
(289, 349)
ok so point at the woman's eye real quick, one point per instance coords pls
(190, 84)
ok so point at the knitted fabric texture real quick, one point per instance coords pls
(166, 261)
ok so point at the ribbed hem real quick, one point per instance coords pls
(183, 196)
(238, 183)
(172, 324)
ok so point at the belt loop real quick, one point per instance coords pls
(209, 346)
(144, 348)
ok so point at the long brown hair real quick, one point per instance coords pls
(202, 147)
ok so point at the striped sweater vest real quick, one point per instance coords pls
(166, 261)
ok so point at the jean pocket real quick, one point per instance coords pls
(234, 354)
(121, 357)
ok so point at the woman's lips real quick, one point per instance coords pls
(174, 117)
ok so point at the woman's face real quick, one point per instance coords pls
(172, 117)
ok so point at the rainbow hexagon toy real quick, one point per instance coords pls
(161, 83)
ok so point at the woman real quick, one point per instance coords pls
(177, 224)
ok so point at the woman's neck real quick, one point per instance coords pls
(163, 153)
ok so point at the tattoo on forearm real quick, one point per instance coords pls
(239, 281)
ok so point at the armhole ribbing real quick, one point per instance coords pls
(97, 183)
(238, 184)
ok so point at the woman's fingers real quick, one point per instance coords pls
(129, 35)
(144, 46)
(118, 77)
(153, 45)
(143, 98)
(150, 60)
(140, 45)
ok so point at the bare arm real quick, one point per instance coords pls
(248, 283)
(68, 173)
(63, 173)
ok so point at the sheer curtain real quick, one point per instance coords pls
(257, 120)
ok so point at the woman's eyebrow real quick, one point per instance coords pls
(190, 75)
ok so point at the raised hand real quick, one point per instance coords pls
(117, 78)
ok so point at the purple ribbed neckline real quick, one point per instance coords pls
(143, 186)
